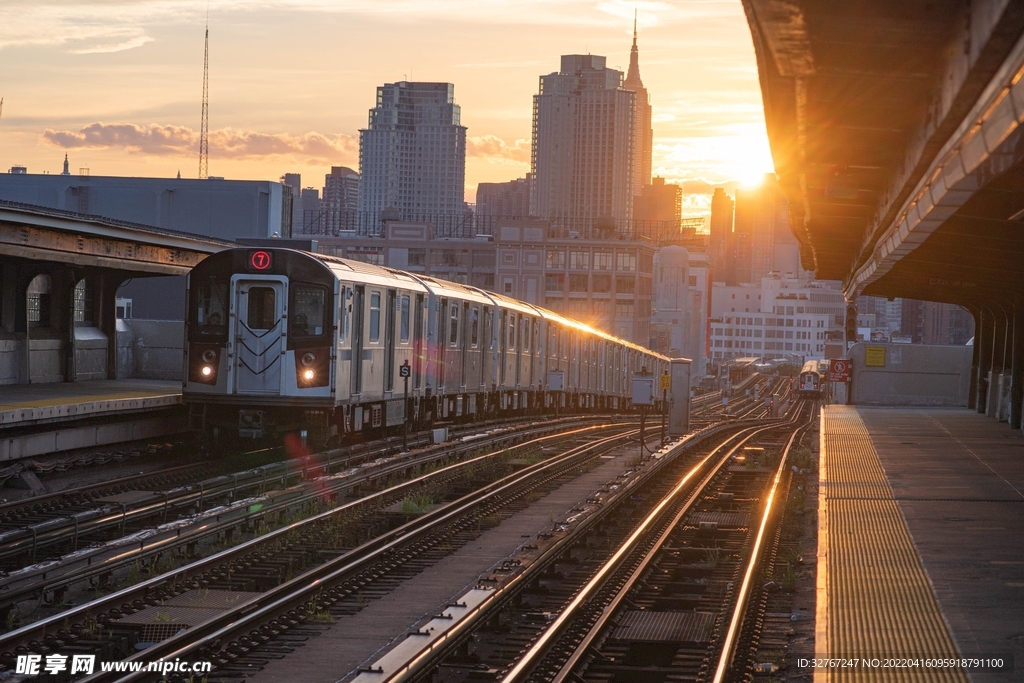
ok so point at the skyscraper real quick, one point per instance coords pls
(582, 155)
(643, 135)
(720, 247)
(340, 200)
(760, 232)
(412, 155)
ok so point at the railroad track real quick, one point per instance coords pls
(676, 566)
(92, 543)
(282, 610)
(274, 555)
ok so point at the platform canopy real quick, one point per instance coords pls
(895, 131)
(48, 235)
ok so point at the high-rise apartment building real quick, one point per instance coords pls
(720, 246)
(643, 134)
(340, 200)
(311, 219)
(761, 239)
(412, 155)
(582, 154)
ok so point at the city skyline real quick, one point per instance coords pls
(118, 85)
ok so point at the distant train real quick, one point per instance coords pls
(281, 340)
(812, 378)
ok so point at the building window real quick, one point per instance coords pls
(556, 258)
(483, 259)
(602, 283)
(602, 260)
(446, 258)
(578, 283)
(509, 258)
(508, 286)
(417, 257)
(625, 285)
(554, 283)
(625, 261)
(624, 309)
(374, 255)
(693, 281)
(579, 260)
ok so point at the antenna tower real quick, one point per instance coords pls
(204, 131)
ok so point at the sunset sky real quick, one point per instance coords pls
(117, 84)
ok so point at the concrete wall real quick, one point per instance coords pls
(150, 349)
(912, 375)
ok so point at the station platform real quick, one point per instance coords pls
(38, 419)
(27, 404)
(920, 545)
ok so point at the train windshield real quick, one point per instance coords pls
(210, 308)
(307, 310)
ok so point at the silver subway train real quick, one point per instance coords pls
(280, 340)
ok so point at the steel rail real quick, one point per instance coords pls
(38, 630)
(523, 668)
(81, 565)
(433, 652)
(301, 589)
(566, 671)
(727, 657)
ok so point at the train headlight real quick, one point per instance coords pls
(307, 360)
(207, 371)
(308, 375)
(209, 356)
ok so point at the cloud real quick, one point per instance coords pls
(493, 147)
(225, 143)
(137, 41)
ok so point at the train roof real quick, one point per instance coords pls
(811, 366)
(348, 269)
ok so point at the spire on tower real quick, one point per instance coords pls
(204, 142)
(66, 171)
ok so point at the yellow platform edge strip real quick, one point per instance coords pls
(873, 596)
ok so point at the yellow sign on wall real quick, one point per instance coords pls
(666, 382)
(874, 356)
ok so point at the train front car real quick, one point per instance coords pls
(260, 338)
(809, 382)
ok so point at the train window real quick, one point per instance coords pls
(524, 334)
(404, 319)
(343, 315)
(306, 312)
(474, 327)
(511, 331)
(262, 309)
(375, 317)
(211, 308)
(453, 325)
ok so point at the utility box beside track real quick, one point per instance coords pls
(679, 397)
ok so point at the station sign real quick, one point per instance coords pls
(839, 370)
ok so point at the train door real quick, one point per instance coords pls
(464, 345)
(420, 332)
(389, 341)
(357, 339)
(442, 313)
(259, 333)
(502, 348)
